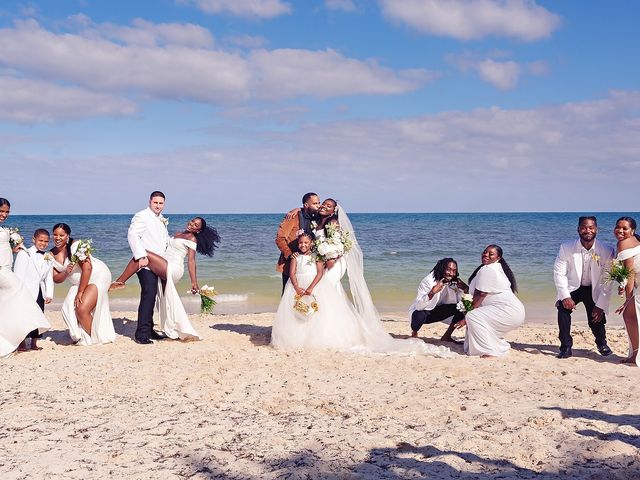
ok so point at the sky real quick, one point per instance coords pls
(242, 106)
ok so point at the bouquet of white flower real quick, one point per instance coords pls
(335, 243)
(618, 272)
(81, 250)
(466, 303)
(207, 302)
(15, 239)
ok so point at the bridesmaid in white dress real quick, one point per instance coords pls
(197, 237)
(629, 252)
(19, 313)
(496, 309)
(85, 309)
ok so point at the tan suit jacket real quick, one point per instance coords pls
(287, 242)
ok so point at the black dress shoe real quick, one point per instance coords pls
(143, 341)
(566, 353)
(157, 336)
(604, 350)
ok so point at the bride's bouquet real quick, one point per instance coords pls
(335, 243)
(15, 239)
(466, 303)
(207, 302)
(620, 273)
(305, 305)
(83, 250)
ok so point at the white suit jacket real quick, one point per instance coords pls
(567, 272)
(147, 232)
(444, 296)
(35, 272)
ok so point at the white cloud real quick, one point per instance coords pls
(474, 19)
(93, 61)
(243, 8)
(247, 41)
(342, 5)
(23, 100)
(484, 160)
(290, 73)
(502, 75)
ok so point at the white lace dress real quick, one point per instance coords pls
(102, 330)
(19, 313)
(174, 321)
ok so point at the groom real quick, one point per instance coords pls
(290, 228)
(148, 231)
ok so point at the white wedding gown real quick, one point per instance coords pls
(102, 330)
(333, 326)
(499, 313)
(174, 321)
(635, 254)
(339, 323)
(19, 313)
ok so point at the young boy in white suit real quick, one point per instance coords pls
(34, 267)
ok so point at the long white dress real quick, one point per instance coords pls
(102, 330)
(19, 313)
(333, 326)
(499, 313)
(341, 324)
(635, 254)
(174, 321)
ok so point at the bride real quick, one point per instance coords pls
(196, 237)
(340, 323)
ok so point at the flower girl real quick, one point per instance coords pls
(292, 318)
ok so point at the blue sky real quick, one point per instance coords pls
(387, 105)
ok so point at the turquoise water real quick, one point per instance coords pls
(399, 248)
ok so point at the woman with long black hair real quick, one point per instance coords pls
(496, 309)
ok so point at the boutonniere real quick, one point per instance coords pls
(314, 225)
(47, 257)
(596, 257)
(164, 220)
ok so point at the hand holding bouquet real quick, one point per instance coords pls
(207, 302)
(81, 250)
(465, 304)
(335, 244)
(15, 239)
(620, 273)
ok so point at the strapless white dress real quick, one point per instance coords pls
(19, 313)
(102, 330)
(174, 321)
(635, 254)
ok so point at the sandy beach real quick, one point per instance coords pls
(230, 406)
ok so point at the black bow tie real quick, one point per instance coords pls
(40, 252)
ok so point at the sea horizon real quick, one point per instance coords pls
(399, 250)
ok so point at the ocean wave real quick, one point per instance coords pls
(232, 297)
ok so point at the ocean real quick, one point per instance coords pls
(399, 250)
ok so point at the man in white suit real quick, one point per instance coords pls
(437, 298)
(148, 232)
(578, 275)
(34, 266)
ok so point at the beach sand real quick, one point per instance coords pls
(230, 406)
